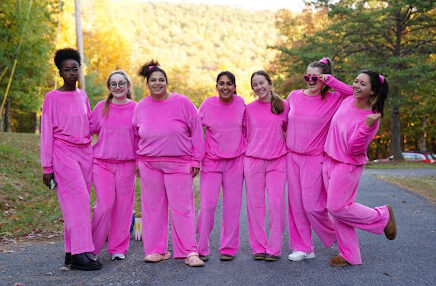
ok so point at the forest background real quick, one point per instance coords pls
(194, 42)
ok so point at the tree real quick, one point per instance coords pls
(393, 37)
(36, 33)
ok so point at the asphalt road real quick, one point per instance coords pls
(408, 260)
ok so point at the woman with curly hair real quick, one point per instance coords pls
(66, 157)
(169, 152)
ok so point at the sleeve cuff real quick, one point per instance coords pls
(195, 164)
(47, 170)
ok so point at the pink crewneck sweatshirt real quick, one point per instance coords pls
(223, 123)
(309, 117)
(349, 137)
(65, 117)
(168, 130)
(264, 130)
(116, 137)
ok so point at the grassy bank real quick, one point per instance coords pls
(399, 165)
(28, 209)
(423, 185)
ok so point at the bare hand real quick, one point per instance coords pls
(194, 171)
(323, 77)
(137, 171)
(371, 119)
(46, 178)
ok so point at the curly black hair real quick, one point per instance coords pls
(66, 54)
(150, 67)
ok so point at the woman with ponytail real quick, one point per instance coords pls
(113, 168)
(169, 152)
(311, 111)
(265, 167)
(352, 129)
(222, 117)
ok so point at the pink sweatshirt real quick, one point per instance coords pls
(65, 117)
(168, 130)
(223, 123)
(309, 117)
(349, 137)
(264, 130)
(115, 133)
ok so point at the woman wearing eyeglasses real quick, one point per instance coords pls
(113, 169)
(311, 111)
(170, 149)
(66, 157)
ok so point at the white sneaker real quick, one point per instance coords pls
(118, 256)
(297, 255)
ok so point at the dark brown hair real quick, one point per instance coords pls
(277, 105)
(230, 75)
(150, 67)
(380, 89)
(325, 69)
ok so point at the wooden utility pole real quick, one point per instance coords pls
(79, 43)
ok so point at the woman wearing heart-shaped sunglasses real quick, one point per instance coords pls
(311, 111)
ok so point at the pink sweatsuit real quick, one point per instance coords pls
(222, 166)
(66, 151)
(113, 176)
(170, 143)
(265, 166)
(346, 144)
(308, 123)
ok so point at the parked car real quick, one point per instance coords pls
(414, 156)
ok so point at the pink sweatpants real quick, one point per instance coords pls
(271, 174)
(307, 200)
(114, 185)
(167, 185)
(341, 181)
(227, 173)
(72, 168)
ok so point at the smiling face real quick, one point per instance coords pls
(362, 87)
(118, 86)
(157, 84)
(70, 71)
(313, 87)
(261, 87)
(226, 88)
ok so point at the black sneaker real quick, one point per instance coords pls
(83, 262)
(67, 259)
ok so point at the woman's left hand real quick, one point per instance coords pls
(195, 171)
(371, 119)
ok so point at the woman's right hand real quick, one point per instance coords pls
(46, 178)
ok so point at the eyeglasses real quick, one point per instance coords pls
(68, 70)
(120, 84)
(309, 77)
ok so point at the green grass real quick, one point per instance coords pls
(423, 185)
(400, 165)
(27, 206)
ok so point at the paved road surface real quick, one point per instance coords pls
(409, 260)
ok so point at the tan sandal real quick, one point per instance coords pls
(157, 257)
(193, 260)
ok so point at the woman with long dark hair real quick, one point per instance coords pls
(353, 127)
